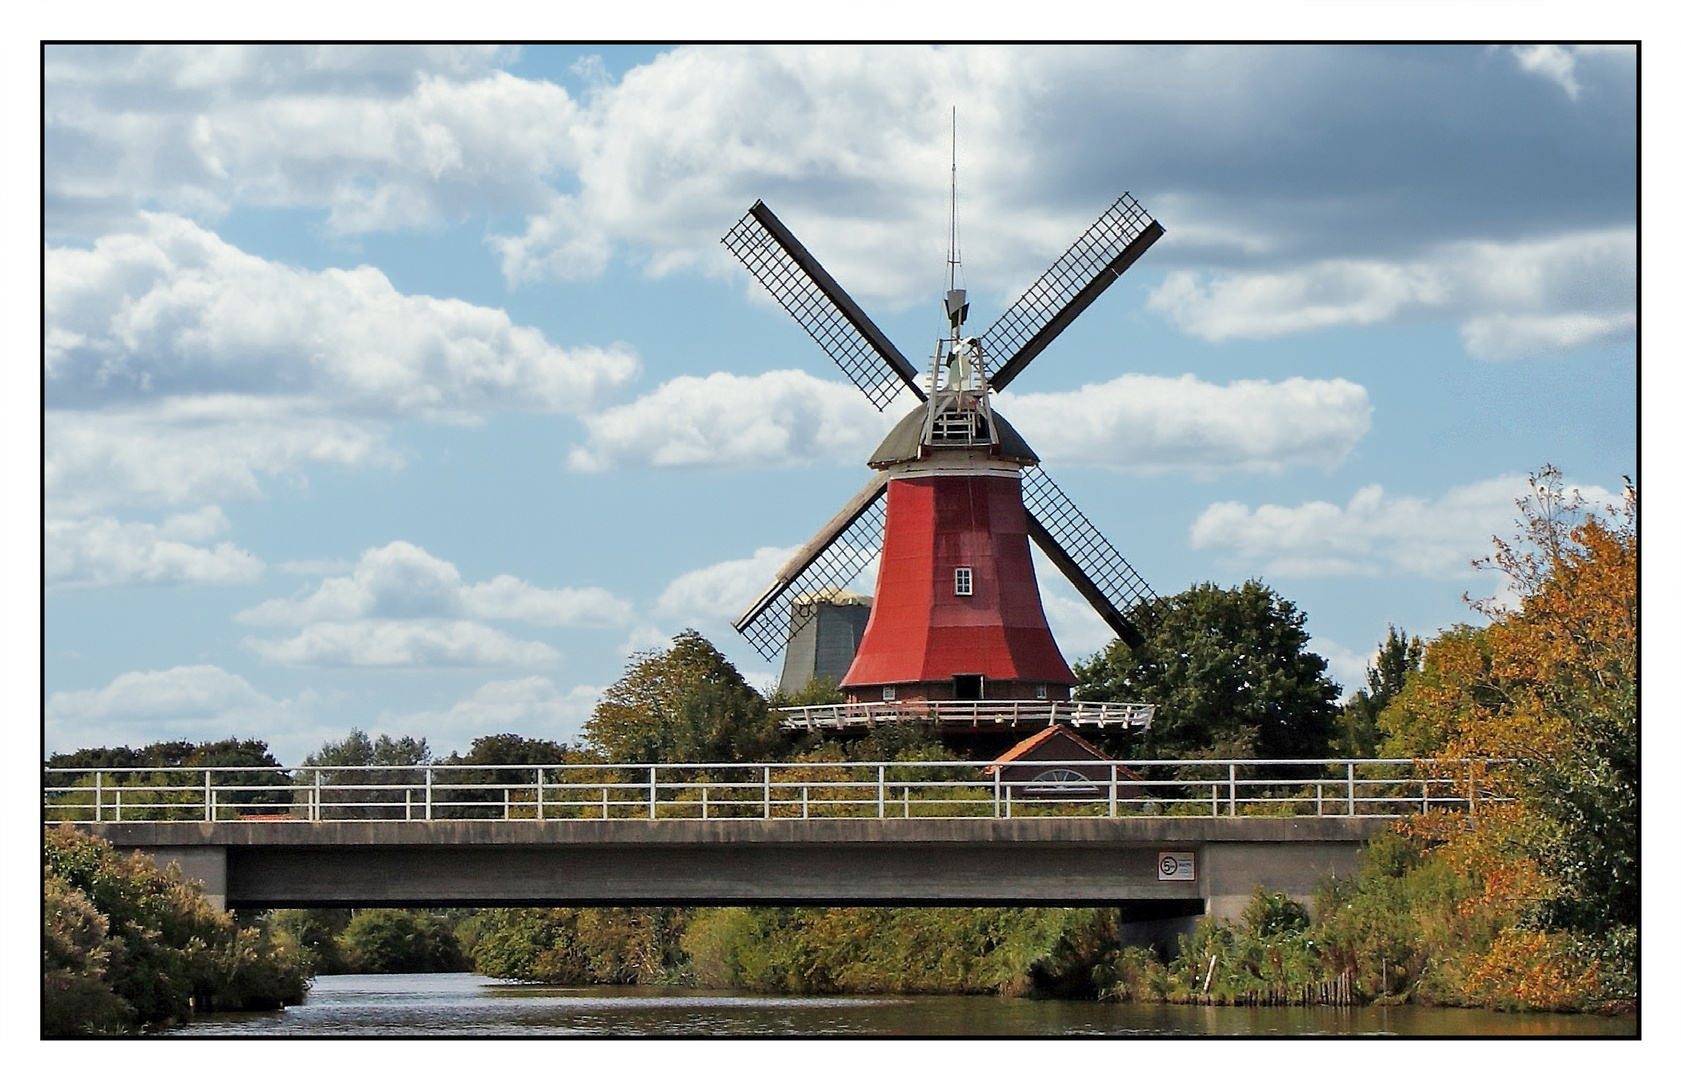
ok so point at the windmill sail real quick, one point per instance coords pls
(829, 560)
(807, 292)
(1086, 558)
(1114, 241)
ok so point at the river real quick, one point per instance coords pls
(466, 1004)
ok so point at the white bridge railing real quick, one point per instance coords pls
(1002, 714)
(1362, 788)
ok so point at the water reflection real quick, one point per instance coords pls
(466, 1004)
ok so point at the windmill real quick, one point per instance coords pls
(957, 631)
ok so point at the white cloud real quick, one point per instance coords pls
(1152, 423)
(102, 551)
(403, 643)
(1375, 533)
(848, 143)
(404, 581)
(1555, 62)
(383, 136)
(1137, 422)
(736, 421)
(721, 591)
(173, 309)
(181, 451)
(531, 706)
(193, 702)
(507, 597)
(402, 606)
(1513, 299)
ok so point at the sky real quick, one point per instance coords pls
(410, 389)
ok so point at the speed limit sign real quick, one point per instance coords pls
(1176, 866)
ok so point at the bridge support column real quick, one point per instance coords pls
(1231, 871)
(206, 865)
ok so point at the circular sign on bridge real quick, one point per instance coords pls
(1176, 866)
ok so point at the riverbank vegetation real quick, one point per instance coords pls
(128, 947)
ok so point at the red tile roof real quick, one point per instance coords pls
(1019, 751)
(1042, 737)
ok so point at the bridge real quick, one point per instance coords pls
(1163, 840)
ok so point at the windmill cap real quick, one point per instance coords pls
(904, 442)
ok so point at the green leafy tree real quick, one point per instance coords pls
(386, 941)
(314, 934)
(824, 690)
(164, 951)
(76, 995)
(1229, 672)
(504, 759)
(172, 763)
(578, 946)
(687, 703)
(357, 749)
(341, 763)
(1398, 659)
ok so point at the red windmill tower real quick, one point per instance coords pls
(957, 631)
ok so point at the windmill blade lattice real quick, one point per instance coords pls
(807, 292)
(1114, 241)
(772, 621)
(1084, 555)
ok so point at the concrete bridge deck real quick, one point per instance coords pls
(1061, 861)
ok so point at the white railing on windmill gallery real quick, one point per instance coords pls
(999, 714)
(1364, 788)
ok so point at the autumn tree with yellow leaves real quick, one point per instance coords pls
(1548, 693)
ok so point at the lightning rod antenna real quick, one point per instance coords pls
(957, 309)
(951, 249)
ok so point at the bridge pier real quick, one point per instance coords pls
(1234, 869)
(206, 863)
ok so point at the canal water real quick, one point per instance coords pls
(466, 1004)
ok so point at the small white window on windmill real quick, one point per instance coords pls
(965, 581)
(1040, 692)
(888, 693)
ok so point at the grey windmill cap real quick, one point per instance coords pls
(904, 442)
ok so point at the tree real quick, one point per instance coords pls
(356, 751)
(500, 758)
(1229, 673)
(1563, 663)
(687, 703)
(1533, 893)
(1398, 658)
(149, 937)
(258, 769)
(387, 941)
